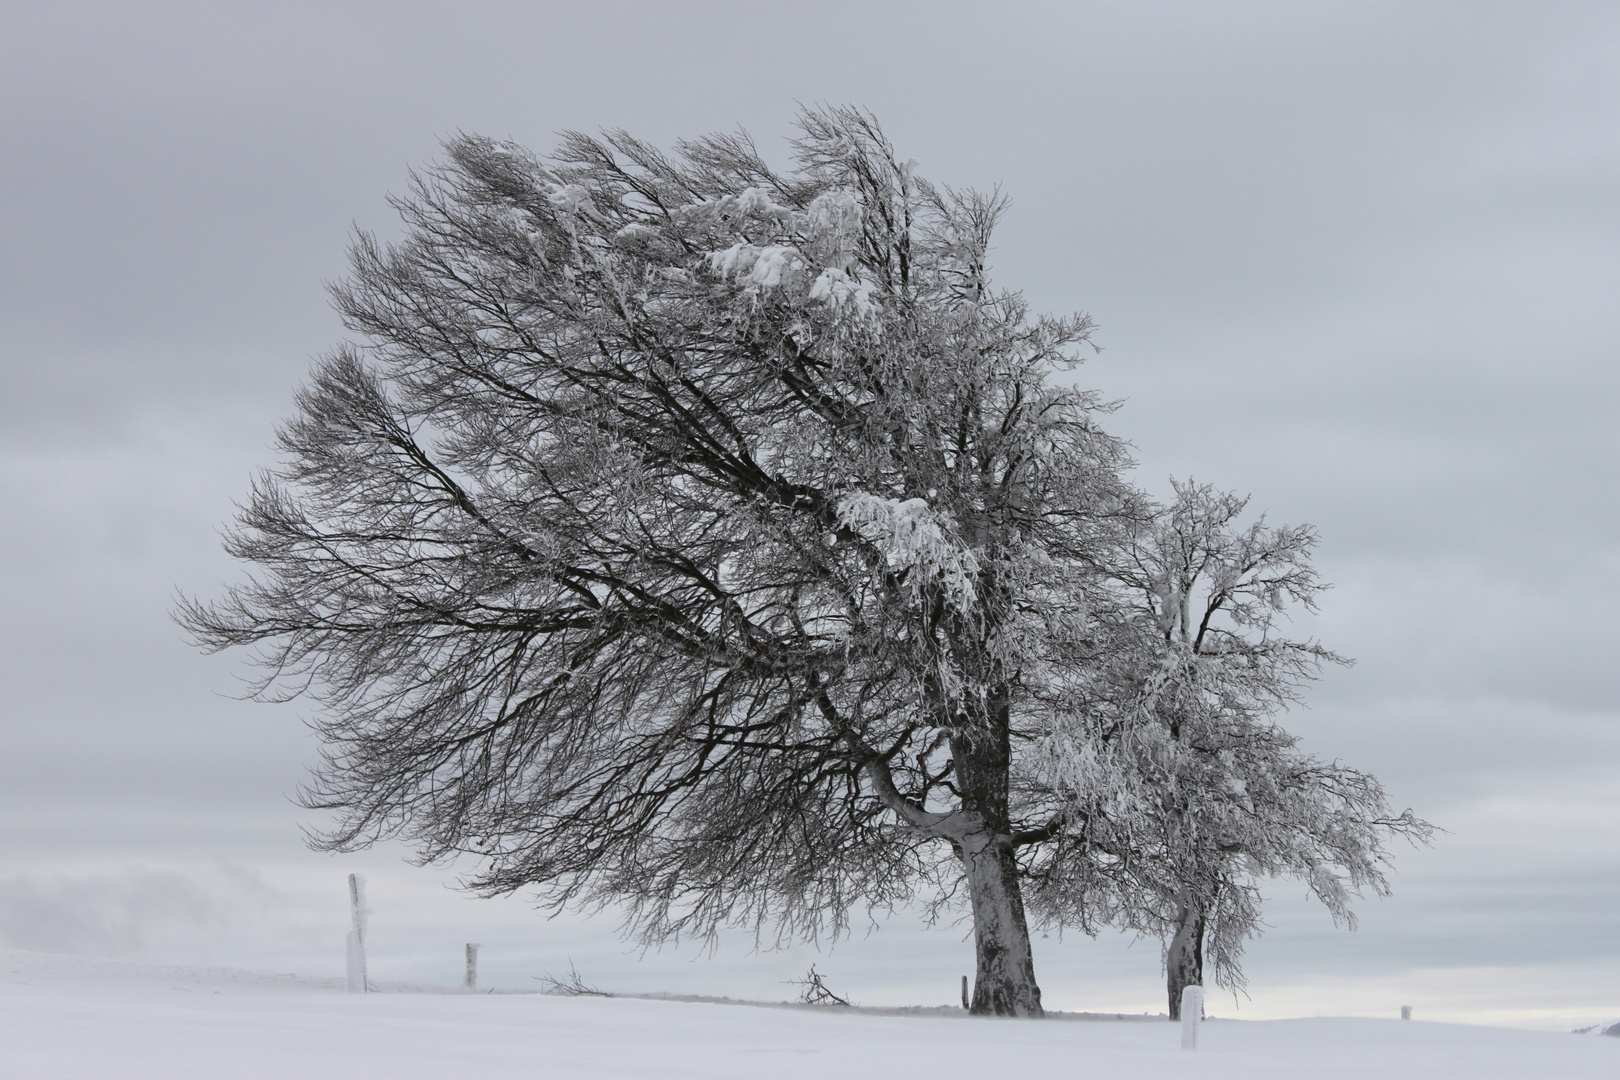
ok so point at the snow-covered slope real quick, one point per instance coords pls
(64, 1020)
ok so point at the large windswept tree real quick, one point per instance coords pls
(695, 538)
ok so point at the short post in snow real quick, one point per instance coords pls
(1192, 1011)
(965, 1003)
(470, 981)
(1406, 1012)
(357, 935)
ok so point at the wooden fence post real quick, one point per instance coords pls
(357, 935)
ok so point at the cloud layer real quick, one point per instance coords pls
(1358, 260)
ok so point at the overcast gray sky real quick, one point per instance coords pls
(1359, 260)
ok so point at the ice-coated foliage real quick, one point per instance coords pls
(914, 542)
(686, 535)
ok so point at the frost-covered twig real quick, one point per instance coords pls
(574, 985)
(814, 989)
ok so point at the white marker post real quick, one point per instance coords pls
(1192, 1011)
(470, 981)
(357, 934)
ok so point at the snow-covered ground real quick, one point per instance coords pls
(64, 1019)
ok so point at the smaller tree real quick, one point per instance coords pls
(1219, 795)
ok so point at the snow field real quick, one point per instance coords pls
(89, 1022)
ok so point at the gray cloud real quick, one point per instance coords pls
(1356, 259)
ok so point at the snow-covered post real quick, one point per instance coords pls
(1406, 1012)
(1192, 1011)
(357, 934)
(470, 981)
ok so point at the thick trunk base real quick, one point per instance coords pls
(1005, 983)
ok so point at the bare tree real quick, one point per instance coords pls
(1215, 793)
(689, 537)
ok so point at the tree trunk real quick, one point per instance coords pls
(1005, 981)
(978, 831)
(1184, 960)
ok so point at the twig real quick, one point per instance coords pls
(815, 990)
(573, 986)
